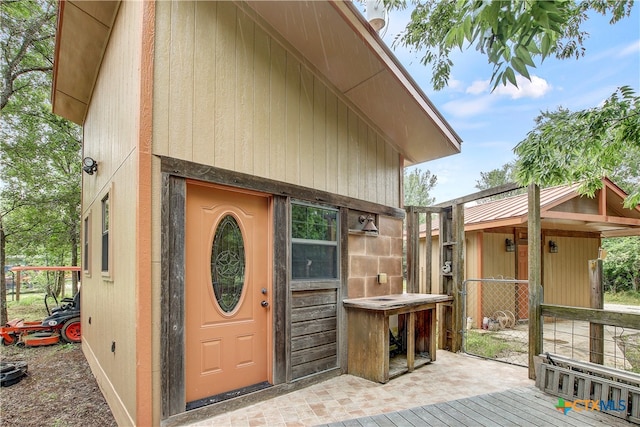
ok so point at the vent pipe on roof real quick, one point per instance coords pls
(375, 14)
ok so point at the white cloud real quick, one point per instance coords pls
(466, 108)
(478, 87)
(534, 88)
(455, 85)
(631, 49)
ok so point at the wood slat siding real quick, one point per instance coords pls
(314, 346)
(228, 94)
(115, 99)
(172, 302)
(281, 209)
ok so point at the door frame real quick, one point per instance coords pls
(173, 175)
(213, 191)
(172, 317)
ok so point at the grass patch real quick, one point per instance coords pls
(630, 346)
(30, 307)
(624, 297)
(486, 344)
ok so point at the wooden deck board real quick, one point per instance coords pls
(382, 421)
(525, 406)
(481, 411)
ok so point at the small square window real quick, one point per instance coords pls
(314, 242)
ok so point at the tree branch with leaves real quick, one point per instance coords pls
(512, 34)
(584, 146)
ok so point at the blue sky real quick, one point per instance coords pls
(491, 124)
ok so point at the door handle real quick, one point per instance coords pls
(264, 304)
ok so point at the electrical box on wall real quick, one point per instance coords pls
(382, 278)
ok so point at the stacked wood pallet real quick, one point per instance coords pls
(593, 386)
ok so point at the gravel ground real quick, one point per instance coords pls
(58, 390)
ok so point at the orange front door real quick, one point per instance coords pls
(228, 290)
(522, 289)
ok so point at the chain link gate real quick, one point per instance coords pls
(496, 313)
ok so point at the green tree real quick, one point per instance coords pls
(495, 178)
(512, 34)
(584, 146)
(621, 267)
(40, 162)
(417, 185)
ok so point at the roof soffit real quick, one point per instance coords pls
(336, 40)
(82, 35)
(331, 35)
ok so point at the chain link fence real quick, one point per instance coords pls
(496, 313)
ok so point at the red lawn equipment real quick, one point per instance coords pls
(63, 322)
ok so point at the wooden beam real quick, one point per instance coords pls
(458, 276)
(428, 254)
(602, 201)
(505, 188)
(596, 331)
(575, 216)
(593, 315)
(186, 169)
(535, 277)
(413, 249)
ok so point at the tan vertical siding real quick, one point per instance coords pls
(229, 95)
(566, 273)
(116, 99)
(277, 111)
(180, 64)
(497, 264)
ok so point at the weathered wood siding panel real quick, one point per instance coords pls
(108, 338)
(228, 94)
(566, 273)
(314, 346)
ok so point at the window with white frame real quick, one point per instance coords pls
(105, 233)
(86, 245)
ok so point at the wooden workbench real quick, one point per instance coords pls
(368, 332)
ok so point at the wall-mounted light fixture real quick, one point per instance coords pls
(553, 247)
(369, 223)
(89, 165)
(509, 245)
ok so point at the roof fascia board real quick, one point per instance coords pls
(608, 184)
(591, 218)
(354, 18)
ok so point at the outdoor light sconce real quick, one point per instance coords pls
(509, 245)
(89, 165)
(553, 247)
(368, 222)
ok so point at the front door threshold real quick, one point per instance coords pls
(227, 395)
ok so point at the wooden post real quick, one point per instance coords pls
(428, 252)
(596, 331)
(458, 275)
(413, 249)
(16, 290)
(535, 288)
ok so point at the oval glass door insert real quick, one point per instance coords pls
(228, 264)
